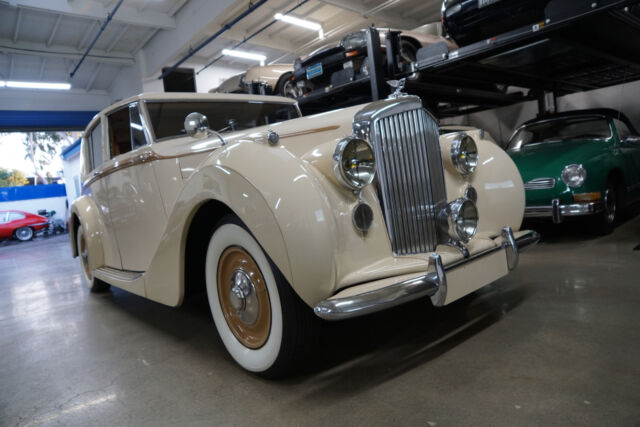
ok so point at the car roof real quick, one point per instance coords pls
(608, 112)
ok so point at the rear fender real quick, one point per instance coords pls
(85, 209)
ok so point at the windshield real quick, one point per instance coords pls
(557, 130)
(167, 118)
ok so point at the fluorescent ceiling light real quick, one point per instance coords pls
(37, 85)
(246, 55)
(300, 23)
(1, 83)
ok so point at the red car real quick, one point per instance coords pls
(21, 225)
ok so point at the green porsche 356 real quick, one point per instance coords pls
(583, 162)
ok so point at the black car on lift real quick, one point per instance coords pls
(346, 62)
(469, 21)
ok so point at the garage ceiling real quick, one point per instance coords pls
(42, 40)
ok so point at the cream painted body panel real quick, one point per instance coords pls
(289, 199)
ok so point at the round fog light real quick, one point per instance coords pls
(461, 219)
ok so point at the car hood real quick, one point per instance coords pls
(548, 159)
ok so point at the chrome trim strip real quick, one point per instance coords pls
(119, 275)
(540, 184)
(433, 284)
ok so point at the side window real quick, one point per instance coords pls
(137, 131)
(623, 129)
(3, 217)
(125, 130)
(13, 216)
(94, 138)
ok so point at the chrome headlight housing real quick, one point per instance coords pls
(354, 163)
(464, 154)
(574, 175)
(460, 219)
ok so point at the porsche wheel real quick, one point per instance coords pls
(23, 234)
(94, 284)
(263, 324)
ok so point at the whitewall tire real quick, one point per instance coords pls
(256, 313)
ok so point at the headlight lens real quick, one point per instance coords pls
(464, 154)
(460, 218)
(354, 163)
(574, 175)
(354, 40)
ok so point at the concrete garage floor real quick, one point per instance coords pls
(555, 343)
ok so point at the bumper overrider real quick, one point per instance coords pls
(557, 212)
(432, 284)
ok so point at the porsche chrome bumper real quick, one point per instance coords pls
(433, 284)
(556, 211)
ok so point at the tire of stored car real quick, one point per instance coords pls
(286, 87)
(24, 233)
(409, 53)
(94, 284)
(604, 221)
(264, 325)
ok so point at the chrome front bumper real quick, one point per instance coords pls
(556, 211)
(432, 284)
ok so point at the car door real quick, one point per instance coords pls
(94, 165)
(135, 202)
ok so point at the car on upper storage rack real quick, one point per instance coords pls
(583, 162)
(280, 216)
(336, 65)
(21, 225)
(273, 79)
(469, 21)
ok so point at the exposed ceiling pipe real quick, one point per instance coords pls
(104, 25)
(246, 39)
(192, 52)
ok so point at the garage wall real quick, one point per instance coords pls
(502, 122)
(24, 99)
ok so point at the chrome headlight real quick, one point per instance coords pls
(574, 175)
(354, 164)
(460, 219)
(464, 154)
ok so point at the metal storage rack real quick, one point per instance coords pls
(580, 46)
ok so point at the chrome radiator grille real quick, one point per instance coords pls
(411, 178)
(540, 184)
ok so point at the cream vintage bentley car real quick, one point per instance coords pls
(280, 216)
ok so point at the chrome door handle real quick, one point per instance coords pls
(97, 173)
(144, 157)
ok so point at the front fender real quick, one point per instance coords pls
(290, 222)
(85, 209)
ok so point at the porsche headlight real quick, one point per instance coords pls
(464, 154)
(354, 164)
(460, 219)
(574, 175)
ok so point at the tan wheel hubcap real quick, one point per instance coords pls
(244, 298)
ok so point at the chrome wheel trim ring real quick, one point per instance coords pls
(24, 233)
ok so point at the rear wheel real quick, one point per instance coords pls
(94, 284)
(24, 233)
(263, 324)
(287, 87)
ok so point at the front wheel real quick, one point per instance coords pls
(94, 284)
(604, 221)
(23, 234)
(263, 324)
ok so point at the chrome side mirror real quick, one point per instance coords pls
(196, 125)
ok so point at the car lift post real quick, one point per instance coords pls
(392, 44)
(376, 73)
